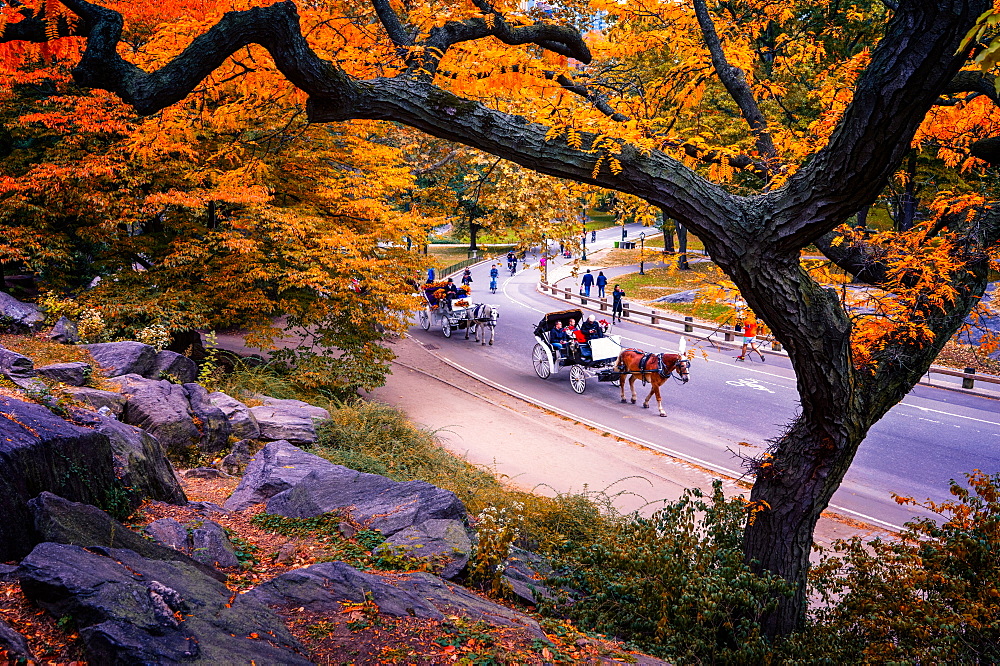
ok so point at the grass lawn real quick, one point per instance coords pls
(694, 243)
(661, 281)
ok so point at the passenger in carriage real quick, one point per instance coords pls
(592, 329)
(577, 341)
(558, 337)
(451, 289)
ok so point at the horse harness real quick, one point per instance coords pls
(661, 368)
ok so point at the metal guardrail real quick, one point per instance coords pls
(660, 320)
(465, 263)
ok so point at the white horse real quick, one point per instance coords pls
(484, 318)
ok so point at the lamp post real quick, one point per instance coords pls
(642, 254)
(584, 255)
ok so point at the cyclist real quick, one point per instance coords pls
(512, 262)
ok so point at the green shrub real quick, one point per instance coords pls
(929, 596)
(675, 583)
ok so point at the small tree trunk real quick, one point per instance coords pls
(907, 210)
(473, 233)
(668, 233)
(682, 248)
(861, 221)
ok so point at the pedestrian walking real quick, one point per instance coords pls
(601, 282)
(430, 275)
(587, 283)
(494, 274)
(617, 307)
(593, 235)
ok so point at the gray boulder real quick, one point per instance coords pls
(41, 452)
(291, 420)
(8, 573)
(73, 374)
(238, 458)
(679, 297)
(96, 399)
(276, 467)
(210, 545)
(122, 358)
(241, 419)
(162, 409)
(15, 644)
(60, 521)
(415, 516)
(444, 541)
(65, 332)
(15, 366)
(204, 540)
(205, 473)
(170, 533)
(524, 571)
(133, 610)
(178, 366)
(210, 421)
(141, 463)
(320, 587)
(25, 316)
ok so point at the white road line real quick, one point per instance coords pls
(944, 413)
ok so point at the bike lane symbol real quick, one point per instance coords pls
(750, 384)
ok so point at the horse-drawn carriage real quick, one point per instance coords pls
(595, 358)
(449, 313)
(455, 314)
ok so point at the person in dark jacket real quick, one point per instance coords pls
(601, 282)
(587, 282)
(617, 306)
(592, 329)
(558, 337)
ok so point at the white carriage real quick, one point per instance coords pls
(586, 360)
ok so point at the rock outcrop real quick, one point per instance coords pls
(72, 374)
(290, 420)
(178, 366)
(23, 316)
(122, 358)
(96, 399)
(65, 332)
(241, 419)
(41, 452)
(212, 424)
(275, 468)
(141, 463)
(133, 610)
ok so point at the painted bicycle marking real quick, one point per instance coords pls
(749, 383)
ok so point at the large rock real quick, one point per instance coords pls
(65, 331)
(415, 516)
(122, 358)
(163, 410)
(525, 572)
(61, 521)
(15, 366)
(169, 532)
(210, 545)
(182, 369)
(73, 374)
(141, 463)
(321, 587)
(275, 468)
(24, 316)
(40, 451)
(133, 610)
(209, 419)
(96, 398)
(238, 458)
(13, 645)
(290, 420)
(241, 419)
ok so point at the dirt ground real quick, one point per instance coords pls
(543, 452)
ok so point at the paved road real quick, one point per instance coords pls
(730, 409)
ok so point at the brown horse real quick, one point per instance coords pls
(652, 368)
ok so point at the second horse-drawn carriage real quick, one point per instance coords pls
(594, 358)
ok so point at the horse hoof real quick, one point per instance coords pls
(633, 402)
(645, 406)
(663, 415)
(624, 401)
(491, 343)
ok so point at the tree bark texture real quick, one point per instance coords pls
(755, 240)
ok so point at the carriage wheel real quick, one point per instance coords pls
(540, 361)
(446, 328)
(578, 378)
(424, 320)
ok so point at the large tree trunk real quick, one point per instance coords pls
(682, 248)
(473, 233)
